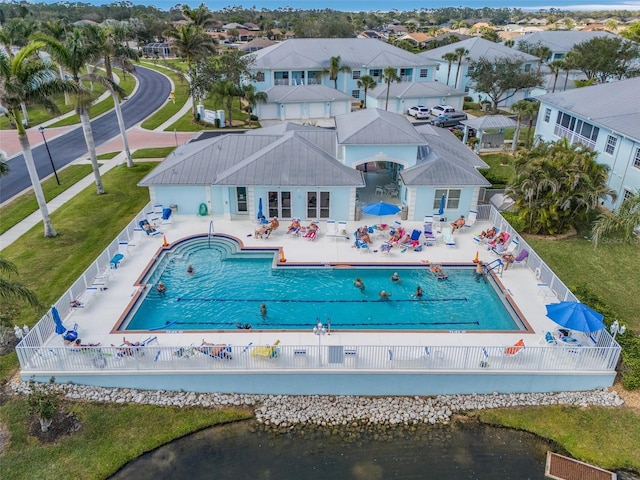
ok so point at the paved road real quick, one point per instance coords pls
(153, 91)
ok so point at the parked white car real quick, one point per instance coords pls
(418, 111)
(440, 109)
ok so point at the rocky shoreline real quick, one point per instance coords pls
(287, 411)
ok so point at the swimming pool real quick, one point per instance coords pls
(228, 287)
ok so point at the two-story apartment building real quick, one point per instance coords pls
(605, 118)
(475, 48)
(305, 61)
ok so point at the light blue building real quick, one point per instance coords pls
(605, 118)
(315, 173)
(476, 49)
(302, 62)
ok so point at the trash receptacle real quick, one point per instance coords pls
(174, 208)
(404, 212)
(358, 213)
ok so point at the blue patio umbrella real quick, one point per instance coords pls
(443, 199)
(575, 316)
(381, 208)
(260, 208)
(60, 329)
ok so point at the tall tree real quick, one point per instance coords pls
(57, 29)
(201, 16)
(253, 98)
(450, 57)
(12, 291)
(502, 78)
(113, 52)
(460, 52)
(555, 67)
(621, 224)
(76, 52)
(632, 32)
(524, 109)
(334, 69)
(389, 75)
(557, 185)
(366, 82)
(193, 44)
(26, 78)
(543, 53)
(605, 58)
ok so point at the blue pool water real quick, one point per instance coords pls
(227, 289)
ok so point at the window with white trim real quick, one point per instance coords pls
(356, 74)
(260, 77)
(547, 115)
(424, 72)
(636, 159)
(355, 93)
(452, 197)
(627, 195)
(610, 147)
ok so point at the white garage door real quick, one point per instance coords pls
(316, 110)
(338, 108)
(292, 111)
(268, 111)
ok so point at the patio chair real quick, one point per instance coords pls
(267, 351)
(414, 240)
(479, 239)
(385, 249)
(509, 249)
(429, 236)
(149, 229)
(521, 258)
(471, 219)
(448, 238)
(218, 352)
(548, 339)
(166, 216)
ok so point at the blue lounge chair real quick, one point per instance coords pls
(149, 229)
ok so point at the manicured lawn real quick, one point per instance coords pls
(501, 169)
(170, 108)
(111, 435)
(607, 437)
(26, 204)
(107, 156)
(159, 152)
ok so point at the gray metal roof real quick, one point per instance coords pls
(448, 162)
(614, 105)
(373, 126)
(560, 41)
(291, 161)
(305, 93)
(414, 90)
(315, 53)
(478, 48)
(490, 122)
(281, 128)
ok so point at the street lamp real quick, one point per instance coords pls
(617, 328)
(41, 130)
(319, 331)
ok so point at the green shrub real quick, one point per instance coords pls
(516, 222)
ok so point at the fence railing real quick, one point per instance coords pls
(287, 357)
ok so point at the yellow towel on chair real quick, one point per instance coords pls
(265, 351)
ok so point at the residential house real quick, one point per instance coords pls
(315, 173)
(373, 34)
(302, 62)
(302, 102)
(477, 48)
(256, 44)
(403, 96)
(419, 39)
(605, 118)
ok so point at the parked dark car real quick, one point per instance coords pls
(449, 119)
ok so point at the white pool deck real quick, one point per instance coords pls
(97, 321)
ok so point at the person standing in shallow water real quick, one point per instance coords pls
(359, 284)
(263, 310)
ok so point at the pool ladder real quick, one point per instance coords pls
(210, 232)
(496, 264)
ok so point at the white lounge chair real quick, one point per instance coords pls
(448, 238)
(471, 219)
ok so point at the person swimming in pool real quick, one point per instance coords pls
(395, 278)
(263, 310)
(418, 293)
(190, 270)
(384, 295)
(359, 284)
(161, 288)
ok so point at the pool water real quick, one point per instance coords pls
(227, 289)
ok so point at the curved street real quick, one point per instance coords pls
(153, 91)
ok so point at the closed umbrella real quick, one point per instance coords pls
(60, 329)
(260, 208)
(443, 199)
(575, 316)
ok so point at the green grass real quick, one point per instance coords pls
(38, 115)
(111, 435)
(608, 271)
(607, 437)
(158, 152)
(500, 170)
(82, 234)
(170, 108)
(107, 156)
(99, 108)
(24, 205)
(186, 123)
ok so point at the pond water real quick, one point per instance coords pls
(240, 451)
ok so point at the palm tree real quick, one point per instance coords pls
(253, 97)
(460, 54)
(11, 291)
(389, 75)
(366, 82)
(335, 69)
(57, 29)
(193, 44)
(27, 79)
(543, 53)
(450, 58)
(459, 25)
(112, 52)
(77, 51)
(224, 91)
(567, 65)
(519, 108)
(555, 68)
(621, 224)
(201, 16)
